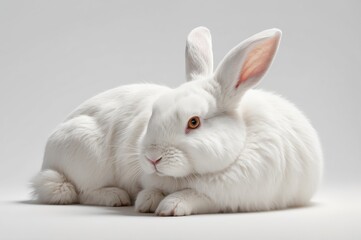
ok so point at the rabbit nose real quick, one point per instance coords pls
(154, 161)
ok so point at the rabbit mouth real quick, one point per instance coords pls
(156, 171)
(159, 173)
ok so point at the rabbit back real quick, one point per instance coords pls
(96, 145)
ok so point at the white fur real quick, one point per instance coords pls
(54, 188)
(253, 151)
(199, 54)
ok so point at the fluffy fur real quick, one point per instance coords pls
(253, 150)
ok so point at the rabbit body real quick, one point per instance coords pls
(211, 145)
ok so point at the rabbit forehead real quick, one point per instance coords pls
(182, 103)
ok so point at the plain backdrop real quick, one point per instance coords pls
(56, 54)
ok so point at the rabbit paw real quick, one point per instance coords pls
(148, 200)
(173, 206)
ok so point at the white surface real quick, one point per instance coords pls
(334, 214)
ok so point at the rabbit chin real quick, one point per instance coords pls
(170, 167)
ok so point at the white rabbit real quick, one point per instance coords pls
(210, 145)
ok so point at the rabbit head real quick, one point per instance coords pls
(197, 127)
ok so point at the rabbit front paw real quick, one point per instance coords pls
(148, 200)
(173, 206)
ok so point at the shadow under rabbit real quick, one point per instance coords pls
(130, 211)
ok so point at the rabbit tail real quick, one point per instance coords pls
(52, 187)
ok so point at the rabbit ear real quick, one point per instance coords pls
(244, 66)
(199, 56)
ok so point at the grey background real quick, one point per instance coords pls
(56, 54)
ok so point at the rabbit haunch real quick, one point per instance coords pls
(252, 150)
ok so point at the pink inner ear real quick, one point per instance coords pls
(258, 60)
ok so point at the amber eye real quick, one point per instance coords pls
(194, 122)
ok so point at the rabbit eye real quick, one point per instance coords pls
(194, 122)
